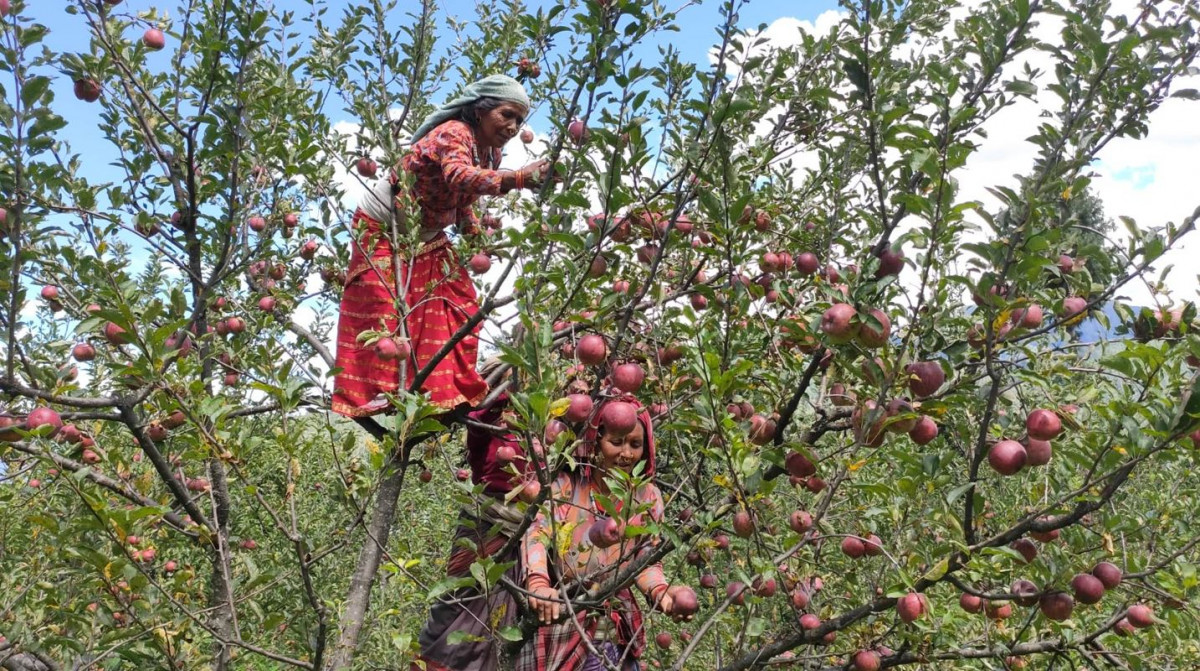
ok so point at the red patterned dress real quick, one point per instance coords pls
(439, 296)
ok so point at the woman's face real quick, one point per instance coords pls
(621, 452)
(500, 124)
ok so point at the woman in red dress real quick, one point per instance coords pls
(454, 160)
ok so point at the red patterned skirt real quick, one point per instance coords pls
(440, 299)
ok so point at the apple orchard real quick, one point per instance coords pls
(897, 426)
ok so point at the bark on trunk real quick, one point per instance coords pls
(223, 619)
(358, 599)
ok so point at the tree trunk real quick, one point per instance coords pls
(223, 619)
(358, 599)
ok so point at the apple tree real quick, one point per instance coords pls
(898, 423)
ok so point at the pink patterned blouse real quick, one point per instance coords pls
(575, 509)
(450, 175)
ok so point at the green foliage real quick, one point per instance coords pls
(206, 435)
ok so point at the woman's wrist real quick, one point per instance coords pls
(514, 180)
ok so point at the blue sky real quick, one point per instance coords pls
(69, 33)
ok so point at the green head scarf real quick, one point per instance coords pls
(502, 87)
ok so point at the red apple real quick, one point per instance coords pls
(579, 409)
(89, 457)
(698, 301)
(743, 524)
(174, 420)
(853, 547)
(799, 465)
(762, 430)
(924, 431)
(1088, 588)
(1026, 592)
(1123, 628)
(83, 352)
(87, 90)
(1140, 616)
(764, 587)
(867, 421)
(592, 350)
(686, 602)
(309, 249)
(837, 322)
(1028, 317)
(480, 263)
(553, 430)
(910, 607)
(618, 417)
(891, 262)
(800, 521)
(198, 485)
(628, 377)
(970, 603)
(530, 492)
(170, 566)
(1043, 424)
(1038, 452)
(1026, 548)
(1072, 306)
(1108, 574)
(43, 416)
(866, 660)
(998, 610)
(154, 39)
(871, 337)
(115, 334)
(70, 433)
(156, 431)
(1057, 606)
(605, 532)
(663, 640)
(266, 304)
(598, 267)
(248, 544)
(800, 598)
(391, 349)
(366, 167)
(1045, 536)
(873, 546)
(737, 592)
(925, 378)
(895, 408)
(762, 221)
(1007, 457)
(577, 129)
(526, 136)
(506, 454)
(807, 263)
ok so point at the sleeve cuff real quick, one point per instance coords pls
(536, 581)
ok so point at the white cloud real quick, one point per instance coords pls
(1151, 180)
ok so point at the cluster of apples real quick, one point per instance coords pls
(1008, 457)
